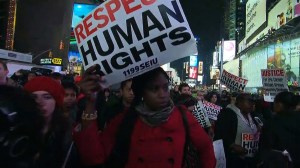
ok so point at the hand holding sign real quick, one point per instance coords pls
(91, 81)
(128, 38)
(238, 149)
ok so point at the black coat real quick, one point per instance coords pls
(282, 132)
(226, 129)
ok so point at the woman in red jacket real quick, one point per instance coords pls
(150, 134)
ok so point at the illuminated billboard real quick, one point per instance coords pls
(193, 61)
(193, 73)
(232, 67)
(229, 50)
(200, 68)
(281, 14)
(80, 11)
(215, 59)
(255, 16)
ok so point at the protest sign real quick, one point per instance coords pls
(201, 115)
(233, 82)
(219, 154)
(250, 143)
(274, 81)
(212, 110)
(128, 38)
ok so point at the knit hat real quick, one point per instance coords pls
(42, 83)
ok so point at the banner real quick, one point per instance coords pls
(193, 73)
(128, 38)
(201, 115)
(250, 142)
(219, 154)
(256, 15)
(273, 81)
(228, 50)
(212, 110)
(200, 68)
(233, 82)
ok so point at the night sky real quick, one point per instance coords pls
(204, 17)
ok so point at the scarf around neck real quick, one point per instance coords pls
(154, 118)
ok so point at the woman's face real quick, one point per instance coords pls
(46, 103)
(156, 94)
(213, 99)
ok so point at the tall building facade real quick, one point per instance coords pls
(43, 28)
(230, 19)
(7, 23)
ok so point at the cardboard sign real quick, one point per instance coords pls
(250, 142)
(128, 38)
(201, 115)
(233, 82)
(212, 110)
(219, 154)
(274, 81)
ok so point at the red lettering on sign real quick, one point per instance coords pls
(87, 25)
(129, 9)
(79, 32)
(97, 15)
(112, 7)
(148, 2)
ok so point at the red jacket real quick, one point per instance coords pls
(159, 147)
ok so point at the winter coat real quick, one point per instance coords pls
(159, 147)
(226, 129)
(282, 132)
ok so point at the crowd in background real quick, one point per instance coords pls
(51, 120)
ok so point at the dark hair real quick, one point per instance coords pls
(120, 152)
(123, 84)
(70, 85)
(182, 85)
(210, 95)
(288, 100)
(4, 64)
(56, 75)
(243, 97)
(18, 110)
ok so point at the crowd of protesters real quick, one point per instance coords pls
(54, 121)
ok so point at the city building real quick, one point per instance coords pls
(230, 16)
(272, 41)
(7, 23)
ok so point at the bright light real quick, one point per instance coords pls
(79, 6)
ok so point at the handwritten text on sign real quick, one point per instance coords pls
(127, 38)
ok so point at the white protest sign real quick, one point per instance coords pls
(250, 142)
(274, 81)
(128, 38)
(219, 154)
(233, 82)
(201, 115)
(212, 110)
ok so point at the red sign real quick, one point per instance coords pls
(193, 72)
